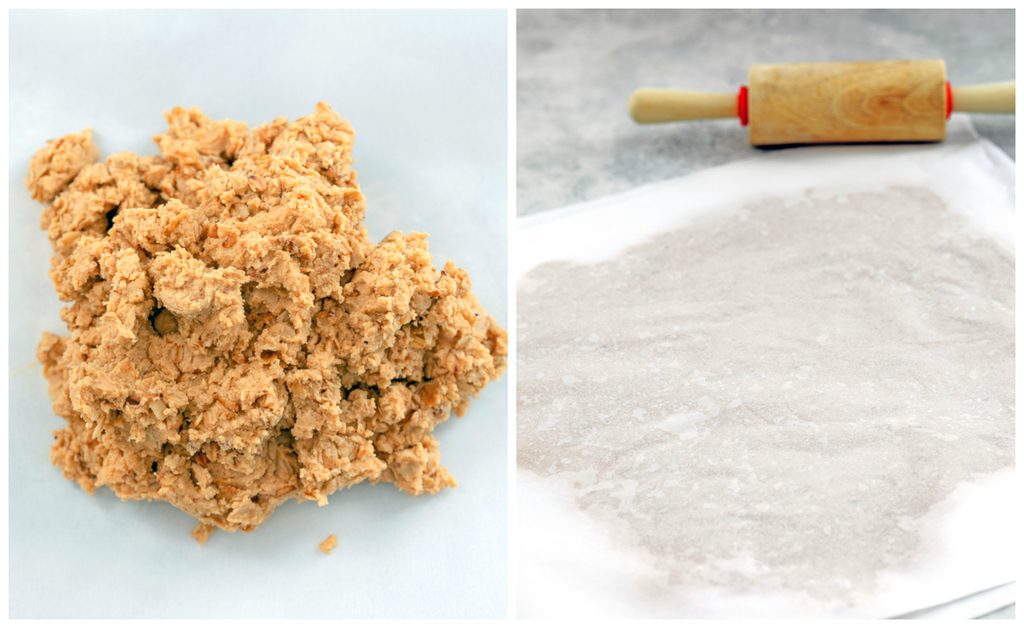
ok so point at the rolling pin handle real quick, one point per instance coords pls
(987, 98)
(648, 106)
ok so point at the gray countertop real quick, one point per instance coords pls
(576, 69)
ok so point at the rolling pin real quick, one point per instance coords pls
(809, 103)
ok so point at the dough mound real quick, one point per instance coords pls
(234, 339)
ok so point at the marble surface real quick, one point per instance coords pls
(576, 69)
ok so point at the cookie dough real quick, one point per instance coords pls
(234, 338)
(327, 545)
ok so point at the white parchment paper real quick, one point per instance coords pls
(782, 387)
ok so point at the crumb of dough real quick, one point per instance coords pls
(202, 532)
(58, 163)
(235, 340)
(327, 545)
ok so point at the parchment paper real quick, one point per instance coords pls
(783, 387)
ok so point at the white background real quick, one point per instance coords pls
(426, 93)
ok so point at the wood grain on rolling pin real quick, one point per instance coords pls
(873, 101)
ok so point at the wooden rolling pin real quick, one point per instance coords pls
(807, 103)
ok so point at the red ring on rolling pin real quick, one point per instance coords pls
(741, 105)
(949, 100)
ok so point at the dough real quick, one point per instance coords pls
(327, 545)
(234, 338)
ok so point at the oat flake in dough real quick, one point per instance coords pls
(234, 339)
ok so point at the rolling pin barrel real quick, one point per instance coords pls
(807, 103)
(874, 101)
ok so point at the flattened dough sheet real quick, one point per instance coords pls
(782, 387)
